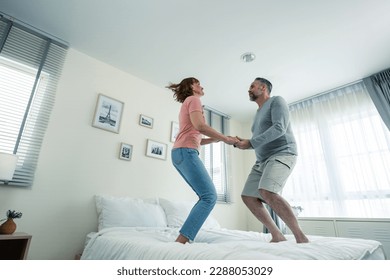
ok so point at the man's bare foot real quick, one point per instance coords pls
(278, 238)
(302, 239)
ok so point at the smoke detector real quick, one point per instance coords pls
(248, 57)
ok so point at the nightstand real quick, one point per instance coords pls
(14, 246)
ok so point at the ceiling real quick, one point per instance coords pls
(304, 47)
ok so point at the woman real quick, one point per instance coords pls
(185, 153)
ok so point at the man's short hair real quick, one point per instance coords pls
(266, 82)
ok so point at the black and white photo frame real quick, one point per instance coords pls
(146, 121)
(108, 113)
(174, 131)
(126, 151)
(156, 149)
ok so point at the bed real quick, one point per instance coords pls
(145, 229)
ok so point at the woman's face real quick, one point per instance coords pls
(197, 89)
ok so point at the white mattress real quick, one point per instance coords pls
(129, 243)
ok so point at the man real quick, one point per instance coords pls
(276, 151)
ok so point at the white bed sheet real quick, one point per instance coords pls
(218, 244)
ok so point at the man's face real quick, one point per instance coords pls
(254, 90)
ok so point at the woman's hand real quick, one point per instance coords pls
(231, 140)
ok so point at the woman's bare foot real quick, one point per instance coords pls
(182, 239)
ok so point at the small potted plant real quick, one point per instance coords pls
(9, 226)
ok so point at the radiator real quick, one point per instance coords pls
(375, 229)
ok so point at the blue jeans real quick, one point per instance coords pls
(191, 168)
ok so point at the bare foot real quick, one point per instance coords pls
(182, 239)
(301, 238)
(278, 238)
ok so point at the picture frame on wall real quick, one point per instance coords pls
(156, 149)
(126, 151)
(108, 113)
(174, 131)
(146, 121)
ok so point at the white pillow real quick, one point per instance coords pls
(128, 212)
(177, 212)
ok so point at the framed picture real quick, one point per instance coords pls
(126, 151)
(174, 131)
(146, 121)
(156, 149)
(108, 113)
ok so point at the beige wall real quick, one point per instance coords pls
(78, 161)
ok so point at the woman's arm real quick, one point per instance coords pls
(206, 141)
(200, 125)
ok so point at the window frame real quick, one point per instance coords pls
(220, 122)
(25, 50)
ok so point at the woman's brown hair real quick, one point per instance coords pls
(184, 89)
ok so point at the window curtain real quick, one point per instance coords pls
(378, 87)
(344, 156)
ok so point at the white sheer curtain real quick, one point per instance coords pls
(343, 167)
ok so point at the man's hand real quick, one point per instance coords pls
(242, 144)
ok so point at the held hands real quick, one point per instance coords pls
(242, 143)
(231, 140)
(238, 142)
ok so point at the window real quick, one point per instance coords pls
(344, 156)
(30, 65)
(214, 156)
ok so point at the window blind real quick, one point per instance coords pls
(30, 67)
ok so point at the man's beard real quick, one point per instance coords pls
(252, 97)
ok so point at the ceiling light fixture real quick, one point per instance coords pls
(248, 57)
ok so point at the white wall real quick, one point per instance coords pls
(78, 161)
